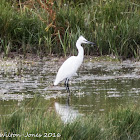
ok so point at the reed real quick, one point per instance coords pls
(53, 27)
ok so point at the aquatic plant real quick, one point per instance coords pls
(52, 27)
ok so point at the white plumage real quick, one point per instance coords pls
(68, 69)
(71, 65)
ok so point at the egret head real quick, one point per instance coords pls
(81, 40)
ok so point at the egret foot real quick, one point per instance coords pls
(67, 86)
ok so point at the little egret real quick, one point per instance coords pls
(71, 65)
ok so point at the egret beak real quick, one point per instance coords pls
(88, 42)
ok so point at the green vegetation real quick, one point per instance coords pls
(31, 120)
(53, 27)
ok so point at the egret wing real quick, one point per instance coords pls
(67, 70)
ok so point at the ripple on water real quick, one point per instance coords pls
(98, 84)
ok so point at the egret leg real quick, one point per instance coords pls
(67, 85)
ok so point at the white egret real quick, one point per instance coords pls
(71, 65)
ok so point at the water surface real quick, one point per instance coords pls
(99, 87)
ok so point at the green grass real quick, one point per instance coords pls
(123, 123)
(27, 27)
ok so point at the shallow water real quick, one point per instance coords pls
(99, 87)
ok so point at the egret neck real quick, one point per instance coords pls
(80, 50)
